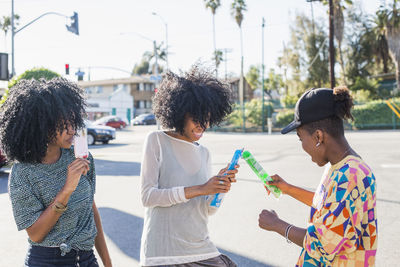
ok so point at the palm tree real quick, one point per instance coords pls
(219, 57)
(391, 19)
(213, 6)
(237, 9)
(161, 55)
(5, 24)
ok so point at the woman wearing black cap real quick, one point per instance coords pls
(342, 226)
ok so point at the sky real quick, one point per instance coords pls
(116, 33)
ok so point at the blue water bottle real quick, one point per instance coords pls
(217, 200)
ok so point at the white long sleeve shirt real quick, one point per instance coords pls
(175, 228)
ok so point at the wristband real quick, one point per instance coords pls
(287, 233)
(59, 207)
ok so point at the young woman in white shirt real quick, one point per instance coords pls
(177, 183)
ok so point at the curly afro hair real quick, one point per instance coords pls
(33, 114)
(197, 93)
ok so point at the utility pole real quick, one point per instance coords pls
(156, 63)
(166, 36)
(262, 74)
(331, 44)
(12, 39)
(241, 83)
(312, 17)
(226, 51)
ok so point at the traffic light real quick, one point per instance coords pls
(4, 76)
(66, 69)
(74, 27)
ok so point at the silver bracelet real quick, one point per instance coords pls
(287, 232)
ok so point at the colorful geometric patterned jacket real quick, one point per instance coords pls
(342, 229)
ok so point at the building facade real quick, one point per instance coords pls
(125, 97)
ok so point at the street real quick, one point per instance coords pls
(234, 229)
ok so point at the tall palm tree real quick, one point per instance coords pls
(161, 55)
(5, 25)
(213, 6)
(237, 9)
(391, 18)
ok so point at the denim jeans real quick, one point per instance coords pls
(48, 257)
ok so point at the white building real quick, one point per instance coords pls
(125, 97)
(119, 103)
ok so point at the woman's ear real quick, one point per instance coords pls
(318, 136)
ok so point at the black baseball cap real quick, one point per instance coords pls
(314, 105)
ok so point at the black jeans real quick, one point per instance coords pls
(49, 257)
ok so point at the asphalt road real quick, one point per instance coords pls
(234, 229)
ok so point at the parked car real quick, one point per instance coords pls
(112, 121)
(145, 119)
(99, 133)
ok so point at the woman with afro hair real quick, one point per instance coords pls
(176, 181)
(51, 191)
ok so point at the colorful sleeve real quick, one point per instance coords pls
(336, 226)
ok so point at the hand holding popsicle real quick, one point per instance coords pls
(216, 184)
(80, 144)
(279, 182)
(76, 169)
(229, 173)
(261, 173)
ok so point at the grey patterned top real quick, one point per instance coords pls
(32, 188)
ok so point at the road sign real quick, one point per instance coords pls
(155, 78)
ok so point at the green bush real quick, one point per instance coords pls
(253, 113)
(361, 96)
(374, 115)
(4, 97)
(284, 117)
(235, 118)
(289, 101)
(35, 73)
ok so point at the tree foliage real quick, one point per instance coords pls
(35, 73)
(142, 68)
(147, 63)
(306, 56)
(253, 77)
(390, 17)
(364, 49)
(218, 57)
(5, 23)
(213, 5)
(237, 9)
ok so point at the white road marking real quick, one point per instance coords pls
(391, 166)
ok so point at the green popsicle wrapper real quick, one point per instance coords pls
(261, 173)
